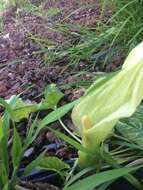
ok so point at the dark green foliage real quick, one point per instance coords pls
(132, 128)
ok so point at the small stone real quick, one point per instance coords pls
(29, 152)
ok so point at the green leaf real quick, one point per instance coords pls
(21, 109)
(6, 186)
(24, 111)
(54, 116)
(5, 124)
(53, 163)
(79, 175)
(105, 186)
(30, 136)
(33, 164)
(52, 95)
(1, 129)
(129, 177)
(69, 140)
(4, 175)
(16, 148)
(132, 128)
(4, 141)
(17, 108)
(57, 114)
(95, 180)
(7, 107)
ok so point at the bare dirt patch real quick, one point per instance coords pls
(20, 64)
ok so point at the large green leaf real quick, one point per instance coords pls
(54, 164)
(132, 128)
(33, 164)
(95, 180)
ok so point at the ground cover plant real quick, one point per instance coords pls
(46, 145)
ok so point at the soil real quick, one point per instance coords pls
(21, 66)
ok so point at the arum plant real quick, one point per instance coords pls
(109, 99)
